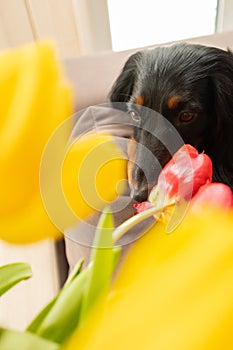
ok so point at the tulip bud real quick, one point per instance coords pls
(182, 176)
(216, 194)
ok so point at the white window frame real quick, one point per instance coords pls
(224, 20)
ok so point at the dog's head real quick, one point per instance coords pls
(192, 87)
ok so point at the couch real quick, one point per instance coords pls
(92, 77)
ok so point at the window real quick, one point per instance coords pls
(137, 23)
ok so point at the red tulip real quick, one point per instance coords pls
(187, 175)
(216, 194)
(183, 175)
(180, 179)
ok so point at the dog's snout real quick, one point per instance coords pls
(139, 184)
(139, 195)
(138, 173)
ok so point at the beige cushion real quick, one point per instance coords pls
(93, 75)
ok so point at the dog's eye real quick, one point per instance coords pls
(135, 116)
(185, 117)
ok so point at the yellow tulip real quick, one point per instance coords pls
(93, 174)
(173, 291)
(84, 178)
(35, 101)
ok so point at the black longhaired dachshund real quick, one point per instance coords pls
(192, 87)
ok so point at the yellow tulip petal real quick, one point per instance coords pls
(173, 292)
(35, 99)
(29, 224)
(92, 174)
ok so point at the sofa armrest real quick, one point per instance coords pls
(93, 75)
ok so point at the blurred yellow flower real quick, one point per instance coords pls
(84, 177)
(173, 291)
(93, 174)
(35, 100)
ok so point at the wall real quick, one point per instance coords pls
(78, 26)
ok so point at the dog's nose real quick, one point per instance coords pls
(139, 195)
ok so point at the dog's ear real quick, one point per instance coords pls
(222, 131)
(123, 86)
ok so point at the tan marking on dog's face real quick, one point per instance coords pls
(132, 149)
(173, 102)
(139, 100)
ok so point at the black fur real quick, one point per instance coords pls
(202, 78)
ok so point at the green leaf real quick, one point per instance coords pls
(60, 317)
(76, 271)
(35, 325)
(103, 259)
(12, 340)
(12, 274)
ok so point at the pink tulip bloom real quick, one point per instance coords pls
(216, 194)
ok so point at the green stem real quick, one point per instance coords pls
(134, 220)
